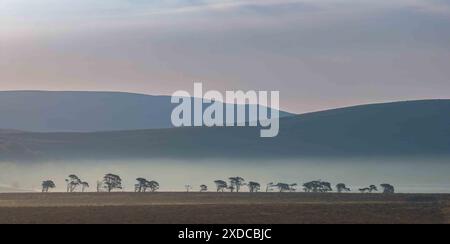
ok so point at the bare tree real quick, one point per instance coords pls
(388, 189)
(203, 188)
(221, 185)
(46, 185)
(254, 186)
(236, 183)
(341, 187)
(111, 182)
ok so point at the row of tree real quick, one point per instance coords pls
(109, 183)
(112, 182)
(318, 186)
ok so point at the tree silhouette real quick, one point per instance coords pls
(46, 185)
(111, 182)
(293, 187)
(72, 182)
(312, 186)
(326, 187)
(388, 189)
(317, 186)
(84, 185)
(341, 187)
(203, 188)
(254, 186)
(221, 185)
(141, 186)
(283, 187)
(369, 189)
(236, 183)
(153, 185)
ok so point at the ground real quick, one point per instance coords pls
(223, 208)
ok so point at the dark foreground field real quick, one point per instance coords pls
(223, 208)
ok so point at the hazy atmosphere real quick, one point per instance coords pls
(409, 175)
(224, 112)
(319, 53)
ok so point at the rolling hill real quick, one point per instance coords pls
(46, 111)
(391, 129)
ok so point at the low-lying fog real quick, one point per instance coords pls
(408, 176)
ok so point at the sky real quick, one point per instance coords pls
(318, 53)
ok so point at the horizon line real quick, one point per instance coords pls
(165, 95)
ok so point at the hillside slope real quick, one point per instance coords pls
(392, 129)
(46, 111)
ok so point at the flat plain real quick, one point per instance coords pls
(223, 208)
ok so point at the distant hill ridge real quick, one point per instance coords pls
(72, 111)
(392, 129)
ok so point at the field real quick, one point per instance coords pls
(222, 208)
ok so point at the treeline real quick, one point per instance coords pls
(113, 182)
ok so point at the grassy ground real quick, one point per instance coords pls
(223, 208)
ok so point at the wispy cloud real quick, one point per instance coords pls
(441, 7)
(319, 53)
(23, 11)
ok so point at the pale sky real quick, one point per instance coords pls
(318, 53)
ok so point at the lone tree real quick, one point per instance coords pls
(46, 185)
(388, 189)
(254, 186)
(236, 183)
(221, 185)
(203, 188)
(141, 186)
(84, 185)
(341, 187)
(111, 182)
(72, 183)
